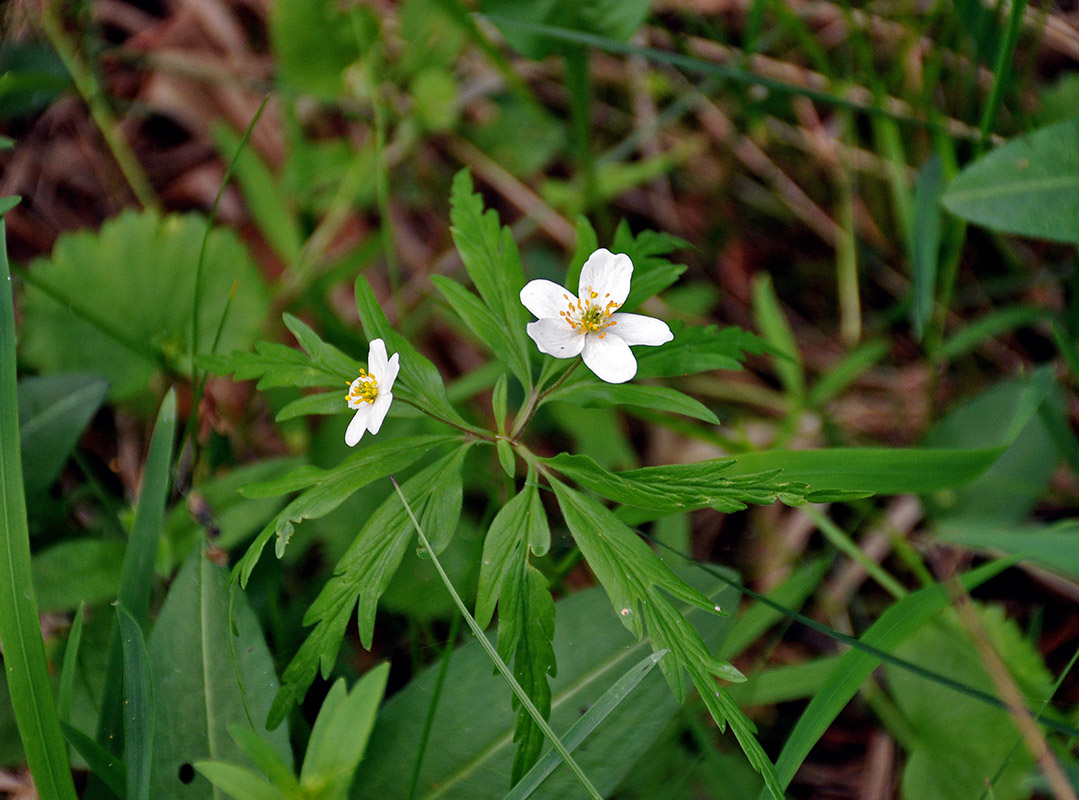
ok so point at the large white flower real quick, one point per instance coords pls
(588, 323)
(371, 393)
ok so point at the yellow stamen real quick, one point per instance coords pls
(362, 390)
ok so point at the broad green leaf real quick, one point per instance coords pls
(340, 734)
(264, 756)
(138, 707)
(777, 332)
(581, 729)
(900, 621)
(206, 679)
(360, 578)
(617, 19)
(138, 270)
(490, 256)
(313, 43)
(1029, 186)
(633, 577)
(326, 489)
(520, 523)
(679, 487)
(594, 394)
(238, 782)
(422, 385)
(269, 206)
(923, 247)
(322, 403)
(593, 652)
(697, 348)
(54, 410)
(24, 653)
(1055, 547)
(960, 742)
(77, 571)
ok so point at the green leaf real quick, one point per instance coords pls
(498, 403)
(313, 43)
(617, 19)
(71, 663)
(894, 626)
(362, 575)
(210, 671)
(326, 489)
(138, 269)
(8, 203)
(423, 385)
(328, 358)
(593, 652)
(240, 783)
(269, 205)
(506, 458)
(495, 334)
(777, 332)
(959, 741)
(341, 732)
(77, 571)
(679, 487)
(1029, 186)
(102, 763)
(54, 410)
(322, 403)
(138, 707)
(587, 244)
(273, 365)
(923, 248)
(268, 760)
(24, 653)
(652, 271)
(632, 575)
(1055, 547)
(593, 394)
(698, 348)
(581, 729)
(490, 256)
(519, 524)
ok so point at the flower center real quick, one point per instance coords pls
(362, 390)
(585, 315)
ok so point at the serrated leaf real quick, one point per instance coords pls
(272, 365)
(490, 256)
(594, 394)
(632, 575)
(326, 356)
(678, 487)
(360, 578)
(697, 348)
(1029, 185)
(138, 268)
(211, 668)
(326, 489)
(482, 321)
(422, 385)
(652, 271)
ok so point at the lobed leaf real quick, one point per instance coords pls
(272, 365)
(698, 348)
(595, 394)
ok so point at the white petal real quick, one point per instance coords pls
(393, 366)
(639, 329)
(556, 338)
(358, 425)
(609, 275)
(610, 358)
(376, 358)
(378, 411)
(546, 299)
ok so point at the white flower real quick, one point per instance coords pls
(588, 324)
(371, 393)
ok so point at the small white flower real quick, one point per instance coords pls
(588, 324)
(371, 393)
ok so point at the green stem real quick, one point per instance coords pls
(841, 541)
(475, 432)
(89, 88)
(535, 399)
(522, 696)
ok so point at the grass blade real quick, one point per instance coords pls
(71, 663)
(585, 725)
(24, 651)
(103, 764)
(138, 707)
